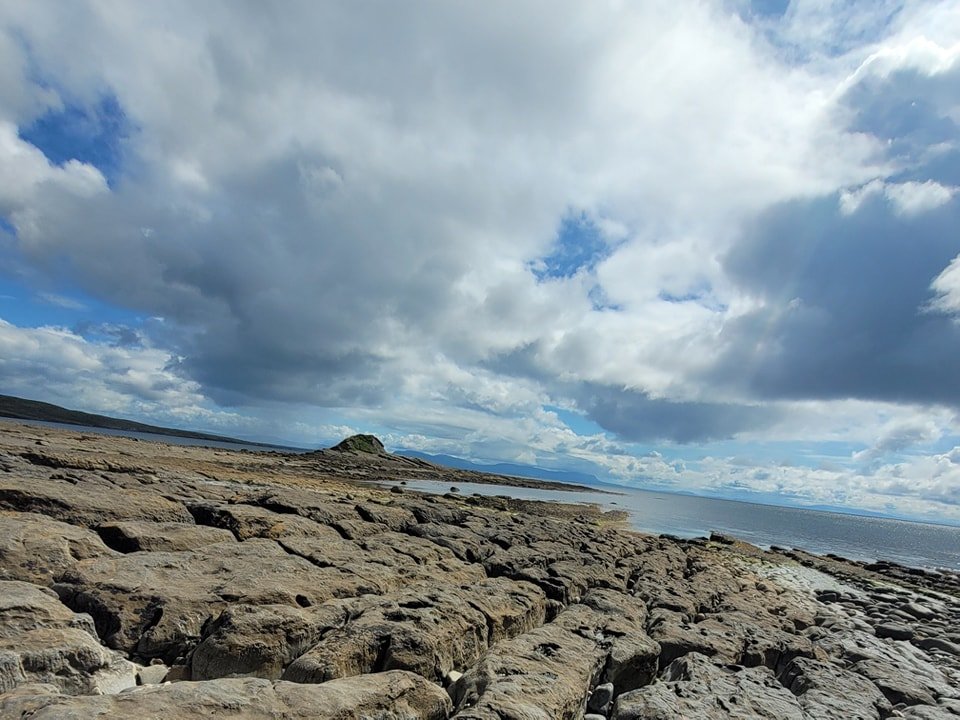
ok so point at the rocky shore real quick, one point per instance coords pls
(142, 580)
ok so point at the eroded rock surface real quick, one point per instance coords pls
(289, 586)
(385, 696)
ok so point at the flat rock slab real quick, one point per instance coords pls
(35, 548)
(140, 536)
(385, 696)
(153, 605)
(88, 504)
(693, 687)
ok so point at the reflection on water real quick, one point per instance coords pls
(852, 536)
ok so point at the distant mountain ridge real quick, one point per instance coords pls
(22, 409)
(526, 471)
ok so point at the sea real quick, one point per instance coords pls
(858, 537)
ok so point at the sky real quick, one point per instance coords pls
(698, 246)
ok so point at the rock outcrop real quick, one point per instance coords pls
(292, 586)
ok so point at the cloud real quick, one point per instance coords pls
(689, 222)
(637, 417)
(908, 198)
(840, 305)
(900, 436)
(946, 286)
(59, 366)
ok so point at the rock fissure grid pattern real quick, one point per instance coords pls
(284, 595)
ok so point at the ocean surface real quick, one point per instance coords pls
(852, 536)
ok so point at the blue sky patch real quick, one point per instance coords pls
(91, 134)
(578, 246)
(31, 307)
(598, 297)
(580, 424)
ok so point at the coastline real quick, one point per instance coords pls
(290, 583)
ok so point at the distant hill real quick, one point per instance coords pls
(527, 471)
(23, 409)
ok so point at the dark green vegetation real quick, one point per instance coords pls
(361, 443)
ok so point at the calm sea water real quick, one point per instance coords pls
(851, 536)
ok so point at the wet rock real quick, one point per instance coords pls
(601, 698)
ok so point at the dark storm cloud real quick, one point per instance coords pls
(846, 289)
(844, 304)
(632, 414)
(636, 417)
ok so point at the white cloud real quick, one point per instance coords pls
(947, 288)
(355, 231)
(56, 365)
(911, 198)
(907, 198)
(25, 174)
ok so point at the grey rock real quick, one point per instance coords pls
(152, 674)
(827, 691)
(918, 611)
(941, 644)
(928, 712)
(898, 684)
(601, 698)
(694, 687)
(261, 640)
(893, 631)
(88, 504)
(35, 548)
(385, 696)
(41, 641)
(136, 536)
